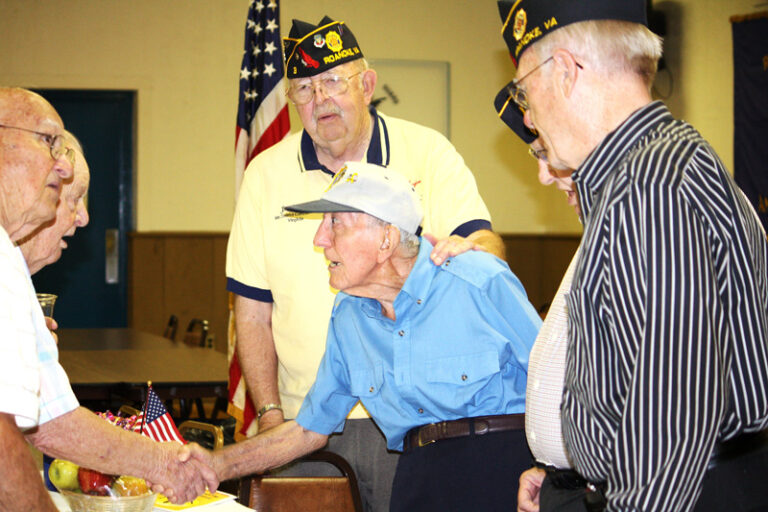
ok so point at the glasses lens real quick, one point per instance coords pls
(301, 93)
(334, 85)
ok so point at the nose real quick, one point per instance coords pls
(527, 120)
(63, 168)
(545, 177)
(322, 235)
(81, 216)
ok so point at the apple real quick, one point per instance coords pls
(63, 474)
(130, 486)
(94, 482)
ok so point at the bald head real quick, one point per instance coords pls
(32, 167)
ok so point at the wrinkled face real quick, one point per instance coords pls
(45, 245)
(338, 119)
(351, 245)
(543, 111)
(30, 179)
(560, 177)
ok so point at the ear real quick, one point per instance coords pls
(368, 79)
(390, 243)
(568, 71)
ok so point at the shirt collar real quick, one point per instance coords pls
(378, 148)
(592, 173)
(415, 288)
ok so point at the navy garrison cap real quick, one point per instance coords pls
(512, 114)
(312, 49)
(527, 21)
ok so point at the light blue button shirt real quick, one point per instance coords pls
(458, 348)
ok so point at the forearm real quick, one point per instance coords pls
(21, 487)
(272, 448)
(489, 241)
(87, 440)
(256, 353)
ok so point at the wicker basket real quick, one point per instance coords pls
(87, 503)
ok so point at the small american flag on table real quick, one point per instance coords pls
(155, 422)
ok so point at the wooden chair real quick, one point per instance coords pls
(170, 328)
(265, 493)
(197, 333)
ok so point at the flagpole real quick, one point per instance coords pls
(144, 410)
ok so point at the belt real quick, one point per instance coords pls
(480, 425)
(570, 480)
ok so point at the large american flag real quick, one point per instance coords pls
(155, 422)
(262, 120)
(262, 114)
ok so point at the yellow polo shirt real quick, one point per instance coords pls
(271, 257)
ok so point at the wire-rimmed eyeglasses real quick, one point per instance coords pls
(55, 143)
(331, 85)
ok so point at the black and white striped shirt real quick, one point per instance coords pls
(668, 315)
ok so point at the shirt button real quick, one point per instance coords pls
(370, 389)
(418, 301)
(463, 376)
(421, 411)
(447, 262)
(401, 333)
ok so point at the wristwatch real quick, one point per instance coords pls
(267, 407)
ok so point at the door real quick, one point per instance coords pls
(90, 276)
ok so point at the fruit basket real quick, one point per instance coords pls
(86, 503)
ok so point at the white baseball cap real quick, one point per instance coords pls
(368, 188)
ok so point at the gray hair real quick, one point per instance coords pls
(607, 45)
(409, 242)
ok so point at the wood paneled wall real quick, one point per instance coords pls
(183, 274)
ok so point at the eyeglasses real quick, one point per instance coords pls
(331, 85)
(55, 143)
(518, 94)
(538, 154)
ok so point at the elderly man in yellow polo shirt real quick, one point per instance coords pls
(282, 297)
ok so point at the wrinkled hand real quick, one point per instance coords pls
(185, 473)
(450, 247)
(530, 487)
(51, 324)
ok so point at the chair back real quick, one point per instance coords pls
(197, 333)
(170, 328)
(265, 493)
(205, 434)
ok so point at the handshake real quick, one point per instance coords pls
(183, 472)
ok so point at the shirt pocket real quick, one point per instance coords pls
(462, 370)
(367, 383)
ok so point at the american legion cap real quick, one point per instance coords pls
(526, 21)
(512, 114)
(372, 189)
(313, 49)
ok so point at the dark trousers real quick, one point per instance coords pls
(552, 499)
(465, 474)
(737, 484)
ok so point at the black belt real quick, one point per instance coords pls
(480, 425)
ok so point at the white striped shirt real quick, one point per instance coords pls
(669, 314)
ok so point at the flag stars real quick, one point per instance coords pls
(256, 51)
(245, 74)
(272, 4)
(259, 6)
(271, 25)
(257, 29)
(270, 48)
(269, 70)
(250, 23)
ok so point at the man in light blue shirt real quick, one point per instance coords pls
(438, 355)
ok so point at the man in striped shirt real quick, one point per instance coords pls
(666, 384)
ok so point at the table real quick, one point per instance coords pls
(115, 364)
